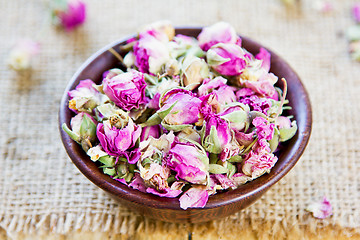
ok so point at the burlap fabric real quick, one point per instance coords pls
(40, 188)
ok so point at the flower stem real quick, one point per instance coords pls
(116, 54)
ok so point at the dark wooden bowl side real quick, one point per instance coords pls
(219, 205)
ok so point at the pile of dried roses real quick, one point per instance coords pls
(190, 117)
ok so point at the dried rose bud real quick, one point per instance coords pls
(184, 45)
(227, 59)
(84, 98)
(287, 129)
(237, 116)
(189, 161)
(126, 90)
(254, 102)
(356, 12)
(264, 130)
(240, 178)
(150, 54)
(190, 134)
(194, 70)
(172, 67)
(22, 53)
(109, 111)
(259, 160)
(115, 141)
(69, 13)
(129, 60)
(216, 134)
(182, 107)
(155, 175)
(83, 130)
(221, 32)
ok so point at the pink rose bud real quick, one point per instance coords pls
(237, 116)
(84, 98)
(138, 183)
(217, 134)
(189, 162)
(116, 140)
(150, 54)
(126, 90)
(264, 85)
(195, 197)
(255, 103)
(264, 130)
(193, 71)
(356, 12)
(83, 130)
(258, 163)
(259, 160)
(209, 85)
(70, 14)
(220, 32)
(244, 139)
(227, 59)
(184, 45)
(155, 178)
(185, 107)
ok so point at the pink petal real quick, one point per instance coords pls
(321, 209)
(194, 198)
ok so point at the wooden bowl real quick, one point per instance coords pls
(219, 205)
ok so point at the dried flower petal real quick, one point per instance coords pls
(195, 197)
(321, 210)
(264, 56)
(96, 152)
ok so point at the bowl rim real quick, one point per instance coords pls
(220, 199)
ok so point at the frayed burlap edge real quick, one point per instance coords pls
(138, 227)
